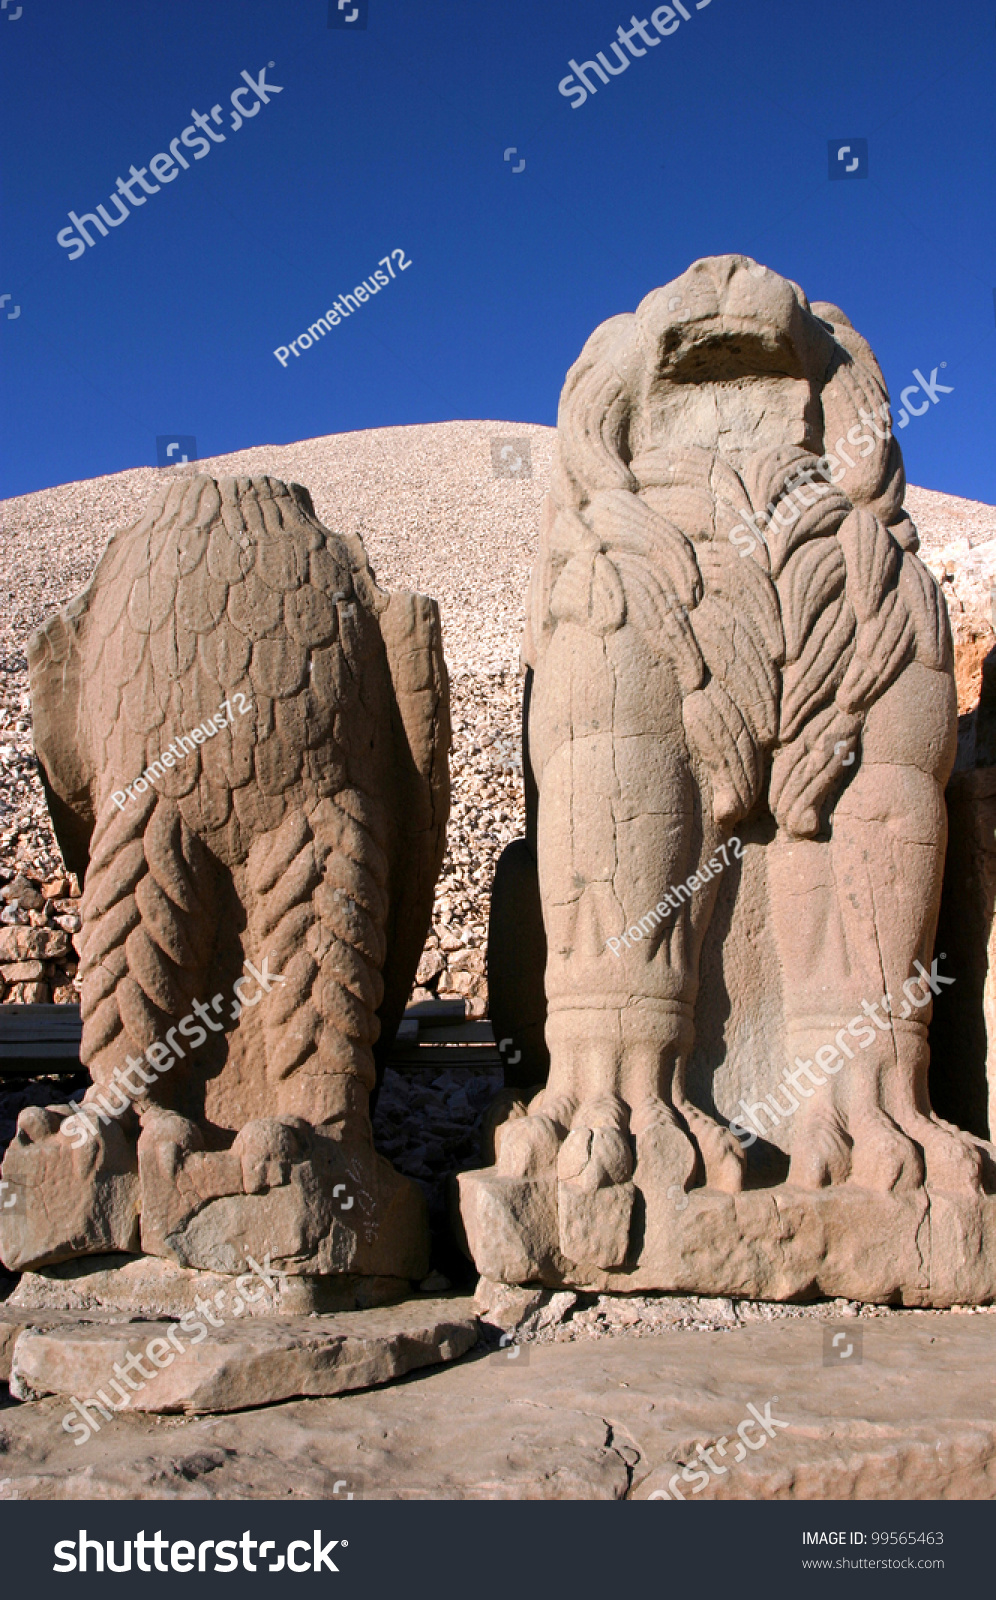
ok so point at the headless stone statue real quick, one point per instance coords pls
(244, 743)
(730, 638)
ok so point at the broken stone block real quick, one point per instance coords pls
(176, 1367)
(70, 1199)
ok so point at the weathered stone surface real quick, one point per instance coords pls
(777, 1244)
(13, 1323)
(151, 1286)
(740, 722)
(68, 1200)
(33, 944)
(241, 1363)
(505, 1306)
(244, 742)
(22, 972)
(963, 1029)
(338, 1207)
(908, 1417)
(15, 1320)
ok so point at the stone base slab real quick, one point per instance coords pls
(768, 1244)
(151, 1286)
(318, 1205)
(13, 1322)
(176, 1367)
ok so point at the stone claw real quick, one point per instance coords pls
(594, 1191)
(507, 1106)
(954, 1164)
(594, 1158)
(821, 1153)
(38, 1122)
(81, 1191)
(267, 1149)
(883, 1158)
(666, 1155)
(527, 1147)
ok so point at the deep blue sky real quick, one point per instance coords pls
(393, 137)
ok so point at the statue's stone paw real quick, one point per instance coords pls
(528, 1147)
(509, 1209)
(594, 1191)
(72, 1189)
(667, 1162)
(560, 1108)
(267, 1149)
(315, 1199)
(821, 1153)
(507, 1106)
(883, 1158)
(722, 1155)
(178, 1176)
(594, 1158)
(954, 1164)
(36, 1123)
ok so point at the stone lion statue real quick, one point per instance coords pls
(244, 743)
(728, 628)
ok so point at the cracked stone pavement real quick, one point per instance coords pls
(609, 1419)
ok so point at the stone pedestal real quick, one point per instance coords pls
(763, 1244)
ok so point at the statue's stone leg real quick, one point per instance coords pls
(854, 915)
(320, 887)
(306, 1183)
(619, 824)
(145, 943)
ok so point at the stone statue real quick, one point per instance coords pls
(740, 721)
(244, 743)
